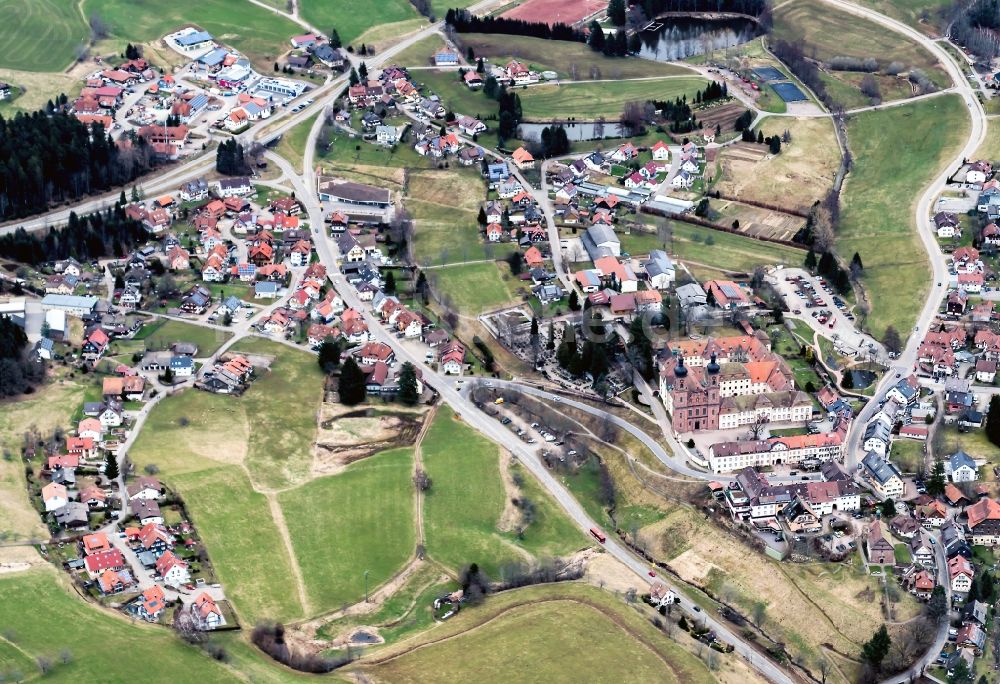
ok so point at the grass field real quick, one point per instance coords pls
(990, 149)
(579, 100)
(564, 57)
(908, 455)
(344, 525)
(796, 178)
(456, 96)
(728, 251)
(836, 33)
(243, 541)
(444, 205)
(281, 407)
(292, 145)
(420, 53)
(40, 35)
(584, 100)
(896, 153)
(253, 30)
(354, 18)
(43, 617)
(473, 288)
(408, 610)
(547, 630)
(464, 506)
(163, 333)
(50, 407)
(270, 429)
(912, 12)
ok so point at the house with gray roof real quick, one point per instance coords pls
(659, 269)
(600, 241)
(882, 476)
(960, 467)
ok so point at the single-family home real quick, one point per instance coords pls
(172, 569)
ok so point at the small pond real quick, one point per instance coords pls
(683, 37)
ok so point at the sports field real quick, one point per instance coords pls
(555, 11)
(261, 34)
(358, 521)
(351, 19)
(551, 631)
(40, 35)
(896, 153)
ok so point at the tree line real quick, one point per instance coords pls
(96, 235)
(977, 28)
(463, 21)
(18, 374)
(47, 158)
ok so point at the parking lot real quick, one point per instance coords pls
(813, 300)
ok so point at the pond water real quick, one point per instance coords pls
(862, 378)
(680, 38)
(363, 637)
(576, 131)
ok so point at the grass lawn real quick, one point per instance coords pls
(191, 431)
(912, 12)
(40, 35)
(343, 525)
(347, 150)
(244, 542)
(466, 501)
(292, 145)
(990, 148)
(551, 627)
(587, 100)
(564, 57)
(728, 251)
(253, 30)
(896, 153)
(281, 407)
(160, 335)
(420, 53)
(45, 616)
(473, 288)
(902, 553)
(354, 18)
(49, 407)
(836, 33)
(445, 205)
(908, 455)
(457, 97)
(576, 100)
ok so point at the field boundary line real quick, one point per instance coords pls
(279, 520)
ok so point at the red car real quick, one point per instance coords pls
(652, 573)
